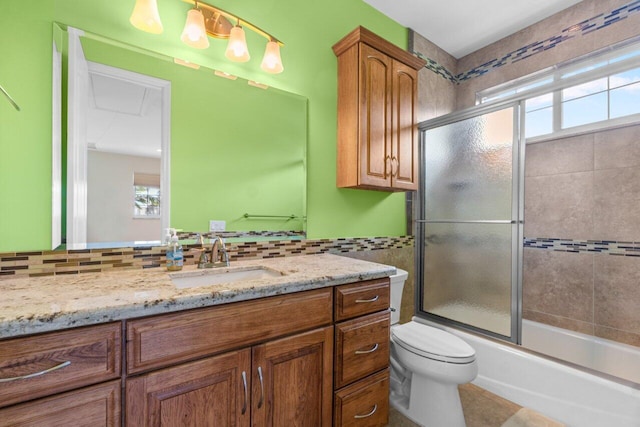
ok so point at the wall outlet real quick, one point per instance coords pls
(217, 225)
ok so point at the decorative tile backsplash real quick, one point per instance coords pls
(607, 247)
(49, 263)
(579, 29)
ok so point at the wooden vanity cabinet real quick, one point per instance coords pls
(272, 361)
(361, 362)
(257, 368)
(377, 114)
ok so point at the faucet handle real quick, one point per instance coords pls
(203, 261)
(199, 239)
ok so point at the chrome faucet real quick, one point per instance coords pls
(219, 255)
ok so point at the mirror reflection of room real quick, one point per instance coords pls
(123, 167)
(156, 135)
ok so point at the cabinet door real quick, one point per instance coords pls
(292, 381)
(210, 392)
(96, 406)
(404, 155)
(375, 117)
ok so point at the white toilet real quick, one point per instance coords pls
(427, 365)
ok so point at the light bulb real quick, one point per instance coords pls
(271, 62)
(237, 48)
(145, 16)
(194, 33)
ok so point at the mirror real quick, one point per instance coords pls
(233, 151)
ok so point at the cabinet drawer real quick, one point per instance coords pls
(96, 406)
(361, 298)
(365, 403)
(61, 361)
(171, 338)
(362, 347)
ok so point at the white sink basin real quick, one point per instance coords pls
(216, 276)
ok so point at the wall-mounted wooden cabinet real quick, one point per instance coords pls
(377, 102)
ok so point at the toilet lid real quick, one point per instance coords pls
(433, 343)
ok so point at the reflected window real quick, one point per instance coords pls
(146, 199)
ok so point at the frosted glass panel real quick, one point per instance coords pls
(467, 274)
(468, 168)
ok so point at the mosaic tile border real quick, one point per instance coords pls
(606, 247)
(50, 263)
(585, 27)
(435, 67)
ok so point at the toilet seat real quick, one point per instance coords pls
(432, 343)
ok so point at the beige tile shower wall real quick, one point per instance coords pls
(436, 94)
(584, 188)
(552, 26)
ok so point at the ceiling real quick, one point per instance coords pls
(123, 117)
(464, 26)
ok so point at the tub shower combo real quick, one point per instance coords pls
(470, 238)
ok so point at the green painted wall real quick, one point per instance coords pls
(309, 29)
(246, 155)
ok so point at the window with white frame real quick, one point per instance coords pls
(146, 195)
(600, 91)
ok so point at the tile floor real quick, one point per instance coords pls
(484, 409)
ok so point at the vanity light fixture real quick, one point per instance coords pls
(237, 49)
(194, 33)
(145, 16)
(207, 20)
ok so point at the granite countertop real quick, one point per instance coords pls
(33, 305)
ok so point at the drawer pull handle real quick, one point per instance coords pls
(374, 348)
(373, 411)
(261, 401)
(374, 299)
(246, 397)
(35, 374)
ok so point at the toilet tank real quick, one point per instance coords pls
(397, 284)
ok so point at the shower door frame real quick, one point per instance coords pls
(517, 216)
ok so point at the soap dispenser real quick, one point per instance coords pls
(174, 254)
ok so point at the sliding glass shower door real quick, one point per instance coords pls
(469, 226)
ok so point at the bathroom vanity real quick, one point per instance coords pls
(309, 346)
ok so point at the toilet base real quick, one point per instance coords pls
(431, 404)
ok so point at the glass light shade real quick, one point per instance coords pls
(271, 62)
(237, 48)
(145, 16)
(194, 33)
